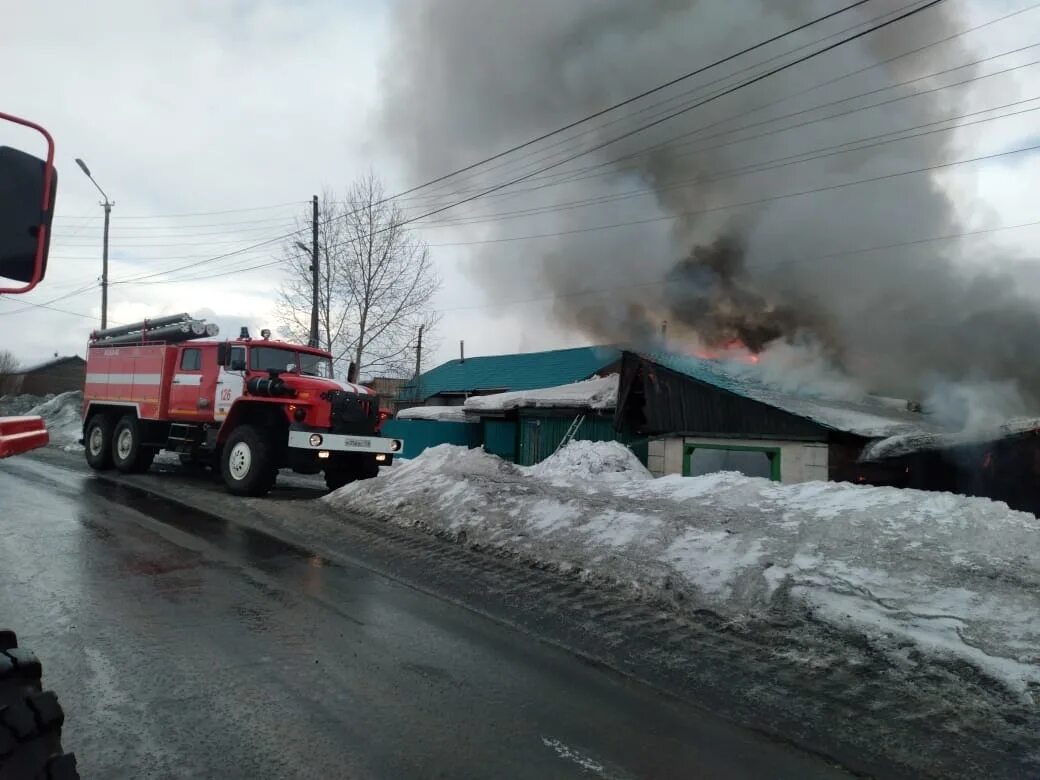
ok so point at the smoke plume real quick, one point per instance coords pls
(468, 79)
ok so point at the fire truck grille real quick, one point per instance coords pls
(351, 413)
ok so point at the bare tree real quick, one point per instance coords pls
(376, 283)
(8, 370)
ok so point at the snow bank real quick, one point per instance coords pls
(592, 460)
(442, 413)
(61, 414)
(921, 575)
(596, 393)
(18, 405)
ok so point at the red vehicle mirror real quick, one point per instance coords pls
(27, 190)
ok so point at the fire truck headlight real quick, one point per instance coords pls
(316, 440)
(299, 414)
(380, 458)
(395, 445)
(324, 454)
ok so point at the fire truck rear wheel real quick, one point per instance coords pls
(97, 440)
(247, 462)
(128, 454)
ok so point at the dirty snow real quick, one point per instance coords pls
(950, 576)
(596, 393)
(60, 413)
(442, 413)
(18, 405)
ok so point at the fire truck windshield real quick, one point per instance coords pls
(268, 358)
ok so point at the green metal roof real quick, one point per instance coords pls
(526, 371)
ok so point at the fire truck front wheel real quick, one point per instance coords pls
(247, 462)
(128, 454)
(97, 439)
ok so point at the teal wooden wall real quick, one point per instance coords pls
(418, 435)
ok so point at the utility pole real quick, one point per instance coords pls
(418, 361)
(315, 272)
(104, 244)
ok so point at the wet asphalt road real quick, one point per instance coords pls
(186, 646)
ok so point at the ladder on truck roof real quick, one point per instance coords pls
(167, 330)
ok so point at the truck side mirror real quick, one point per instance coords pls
(222, 354)
(28, 186)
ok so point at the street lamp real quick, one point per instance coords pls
(104, 251)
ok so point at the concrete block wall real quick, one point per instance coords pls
(799, 461)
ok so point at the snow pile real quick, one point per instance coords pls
(442, 413)
(596, 393)
(18, 405)
(608, 461)
(61, 414)
(921, 575)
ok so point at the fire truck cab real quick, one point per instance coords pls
(248, 407)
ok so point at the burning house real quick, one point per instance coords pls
(701, 415)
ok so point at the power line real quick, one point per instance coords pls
(672, 141)
(759, 167)
(55, 308)
(627, 101)
(666, 280)
(80, 291)
(756, 202)
(674, 114)
(760, 77)
(674, 99)
(782, 162)
(204, 213)
(570, 176)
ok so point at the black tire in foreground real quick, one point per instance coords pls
(128, 454)
(247, 462)
(350, 467)
(97, 442)
(30, 719)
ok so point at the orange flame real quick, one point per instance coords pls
(734, 350)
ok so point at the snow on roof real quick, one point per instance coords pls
(907, 443)
(442, 413)
(869, 416)
(596, 393)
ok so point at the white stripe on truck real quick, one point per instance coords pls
(188, 380)
(124, 379)
(338, 442)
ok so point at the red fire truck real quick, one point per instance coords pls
(247, 406)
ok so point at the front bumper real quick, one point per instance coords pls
(339, 442)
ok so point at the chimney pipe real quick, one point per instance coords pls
(462, 351)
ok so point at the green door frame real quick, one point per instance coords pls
(772, 452)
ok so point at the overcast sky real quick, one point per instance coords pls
(210, 124)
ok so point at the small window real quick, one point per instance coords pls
(238, 359)
(191, 360)
(750, 461)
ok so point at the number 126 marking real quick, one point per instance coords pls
(225, 394)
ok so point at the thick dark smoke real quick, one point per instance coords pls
(469, 78)
(711, 292)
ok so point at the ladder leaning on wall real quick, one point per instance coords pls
(571, 431)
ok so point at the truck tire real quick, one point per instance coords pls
(30, 719)
(97, 442)
(128, 454)
(247, 462)
(338, 475)
(349, 468)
